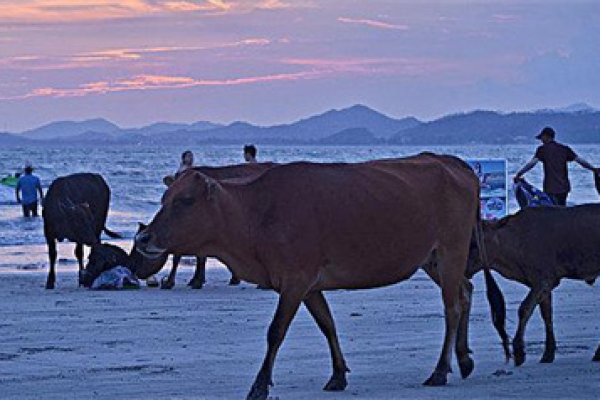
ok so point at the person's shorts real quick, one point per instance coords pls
(30, 209)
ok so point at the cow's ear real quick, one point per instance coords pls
(211, 188)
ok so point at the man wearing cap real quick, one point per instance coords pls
(29, 185)
(554, 157)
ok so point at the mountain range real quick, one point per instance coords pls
(356, 125)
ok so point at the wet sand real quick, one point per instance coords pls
(73, 343)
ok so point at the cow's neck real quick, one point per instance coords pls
(235, 240)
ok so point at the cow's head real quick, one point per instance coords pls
(102, 258)
(141, 265)
(187, 221)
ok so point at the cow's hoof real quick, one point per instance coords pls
(196, 284)
(436, 379)
(258, 393)
(337, 383)
(519, 356)
(234, 281)
(466, 367)
(49, 286)
(547, 357)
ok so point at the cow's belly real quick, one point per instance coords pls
(365, 276)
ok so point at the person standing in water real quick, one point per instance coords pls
(554, 157)
(250, 154)
(28, 187)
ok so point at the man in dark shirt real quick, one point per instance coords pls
(554, 157)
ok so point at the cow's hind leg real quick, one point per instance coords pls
(463, 353)
(52, 256)
(199, 278)
(289, 301)
(79, 257)
(546, 310)
(451, 267)
(318, 308)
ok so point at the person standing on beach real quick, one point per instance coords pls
(554, 157)
(250, 154)
(27, 190)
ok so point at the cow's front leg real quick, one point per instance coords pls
(289, 302)
(199, 278)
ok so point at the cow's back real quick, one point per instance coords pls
(375, 213)
(72, 189)
(234, 171)
(552, 241)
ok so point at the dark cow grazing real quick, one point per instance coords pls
(538, 247)
(103, 257)
(305, 228)
(75, 209)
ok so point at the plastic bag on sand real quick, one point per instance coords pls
(116, 278)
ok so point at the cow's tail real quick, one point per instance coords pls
(494, 295)
(111, 234)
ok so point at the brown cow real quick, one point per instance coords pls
(304, 228)
(538, 247)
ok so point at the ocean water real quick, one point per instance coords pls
(135, 174)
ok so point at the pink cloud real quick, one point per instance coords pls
(108, 56)
(51, 11)
(155, 82)
(373, 23)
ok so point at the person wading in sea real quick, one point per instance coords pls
(27, 190)
(554, 157)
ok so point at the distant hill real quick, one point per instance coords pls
(168, 127)
(356, 125)
(9, 139)
(333, 121)
(352, 136)
(489, 127)
(63, 129)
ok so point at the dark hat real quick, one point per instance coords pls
(547, 131)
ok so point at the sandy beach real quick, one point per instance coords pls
(73, 343)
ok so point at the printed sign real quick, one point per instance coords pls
(494, 191)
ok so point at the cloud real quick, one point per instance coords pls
(279, 5)
(68, 11)
(155, 82)
(107, 57)
(73, 11)
(373, 24)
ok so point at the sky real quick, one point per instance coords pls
(136, 62)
